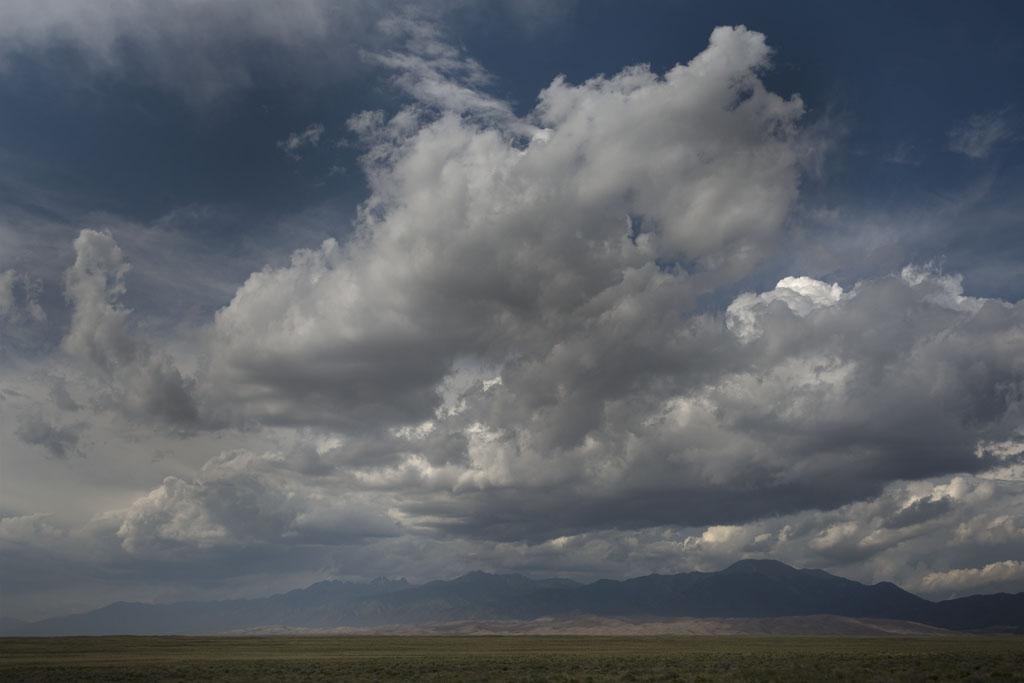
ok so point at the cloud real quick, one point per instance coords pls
(19, 296)
(980, 134)
(910, 530)
(920, 511)
(99, 332)
(241, 499)
(60, 396)
(307, 522)
(479, 244)
(1010, 458)
(511, 326)
(60, 442)
(801, 295)
(204, 50)
(29, 529)
(201, 50)
(836, 397)
(296, 141)
(512, 362)
(142, 382)
(437, 74)
(963, 581)
(870, 540)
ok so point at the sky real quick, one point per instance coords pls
(340, 289)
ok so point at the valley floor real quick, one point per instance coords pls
(515, 658)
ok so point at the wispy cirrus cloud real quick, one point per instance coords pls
(200, 50)
(981, 133)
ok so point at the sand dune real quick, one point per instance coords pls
(591, 625)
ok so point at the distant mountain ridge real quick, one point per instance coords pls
(746, 589)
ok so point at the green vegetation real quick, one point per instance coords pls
(514, 658)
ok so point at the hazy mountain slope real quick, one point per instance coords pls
(323, 604)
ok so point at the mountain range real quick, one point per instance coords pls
(764, 589)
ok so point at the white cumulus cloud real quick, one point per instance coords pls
(962, 581)
(478, 243)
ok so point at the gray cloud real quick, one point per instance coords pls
(831, 402)
(796, 413)
(512, 328)
(242, 499)
(142, 382)
(22, 318)
(191, 523)
(60, 442)
(250, 524)
(542, 242)
(920, 511)
(204, 50)
(201, 50)
(19, 296)
(60, 396)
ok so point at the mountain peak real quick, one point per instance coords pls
(478, 576)
(385, 581)
(763, 567)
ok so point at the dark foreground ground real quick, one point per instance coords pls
(967, 659)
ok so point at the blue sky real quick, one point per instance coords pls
(348, 289)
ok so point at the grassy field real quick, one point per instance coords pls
(514, 658)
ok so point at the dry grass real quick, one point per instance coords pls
(516, 658)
